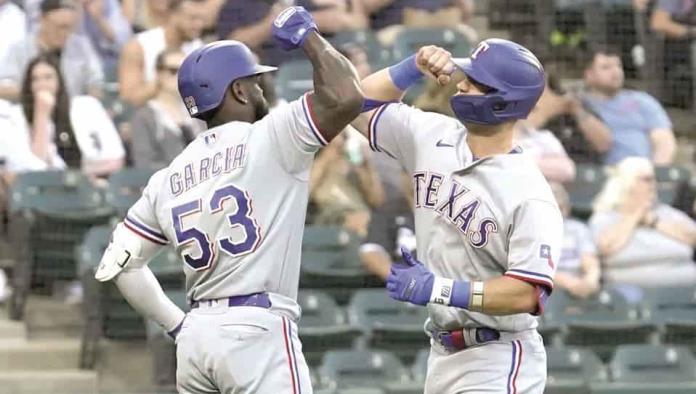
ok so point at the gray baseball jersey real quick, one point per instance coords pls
(476, 219)
(233, 204)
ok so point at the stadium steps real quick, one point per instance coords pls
(49, 317)
(71, 381)
(10, 329)
(38, 354)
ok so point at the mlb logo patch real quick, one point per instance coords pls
(210, 138)
(545, 253)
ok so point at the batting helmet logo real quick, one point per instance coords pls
(190, 103)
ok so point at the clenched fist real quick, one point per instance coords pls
(435, 62)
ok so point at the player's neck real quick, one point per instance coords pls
(490, 140)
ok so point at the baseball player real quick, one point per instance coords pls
(487, 226)
(233, 204)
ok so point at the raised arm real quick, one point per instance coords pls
(337, 97)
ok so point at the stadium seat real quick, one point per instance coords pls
(589, 180)
(669, 180)
(652, 364)
(674, 309)
(162, 346)
(294, 79)
(323, 325)
(420, 365)
(572, 370)
(317, 237)
(601, 322)
(125, 188)
(388, 324)
(363, 369)
(643, 388)
(378, 56)
(410, 39)
(49, 214)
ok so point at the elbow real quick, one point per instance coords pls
(350, 103)
(529, 302)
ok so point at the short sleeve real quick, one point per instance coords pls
(142, 216)
(654, 114)
(670, 6)
(296, 134)
(666, 212)
(394, 129)
(536, 239)
(600, 221)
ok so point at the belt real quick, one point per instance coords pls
(461, 339)
(260, 300)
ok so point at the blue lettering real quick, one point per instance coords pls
(418, 177)
(465, 215)
(486, 227)
(455, 194)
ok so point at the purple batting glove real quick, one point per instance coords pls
(290, 27)
(410, 280)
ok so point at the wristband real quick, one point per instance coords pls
(405, 73)
(173, 333)
(442, 291)
(476, 297)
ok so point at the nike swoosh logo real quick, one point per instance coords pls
(441, 144)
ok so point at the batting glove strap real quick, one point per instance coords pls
(442, 291)
(459, 294)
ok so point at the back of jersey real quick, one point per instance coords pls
(233, 204)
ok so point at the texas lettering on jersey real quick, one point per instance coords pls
(457, 206)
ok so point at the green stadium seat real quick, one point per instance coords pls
(345, 369)
(420, 365)
(410, 39)
(572, 369)
(652, 364)
(378, 56)
(674, 309)
(317, 237)
(582, 191)
(323, 325)
(294, 79)
(643, 388)
(389, 324)
(669, 180)
(601, 322)
(125, 188)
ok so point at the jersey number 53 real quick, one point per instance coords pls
(241, 218)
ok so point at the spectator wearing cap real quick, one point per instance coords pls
(80, 65)
(637, 125)
(335, 16)
(50, 130)
(137, 72)
(676, 20)
(250, 22)
(163, 125)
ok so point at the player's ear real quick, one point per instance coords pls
(238, 92)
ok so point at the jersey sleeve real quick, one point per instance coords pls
(396, 129)
(536, 239)
(296, 135)
(142, 216)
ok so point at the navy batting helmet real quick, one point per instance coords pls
(513, 73)
(207, 72)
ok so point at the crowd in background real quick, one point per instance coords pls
(59, 57)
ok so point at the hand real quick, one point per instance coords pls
(580, 287)
(435, 62)
(410, 280)
(94, 8)
(573, 105)
(635, 205)
(649, 218)
(44, 102)
(291, 27)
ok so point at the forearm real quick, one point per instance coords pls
(664, 149)
(590, 269)
(596, 132)
(376, 262)
(371, 186)
(39, 140)
(142, 291)
(615, 237)
(252, 35)
(499, 296)
(662, 22)
(104, 26)
(337, 97)
(557, 168)
(9, 91)
(372, 6)
(139, 93)
(676, 231)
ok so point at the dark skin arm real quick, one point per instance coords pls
(337, 97)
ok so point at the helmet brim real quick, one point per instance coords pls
(261, 69)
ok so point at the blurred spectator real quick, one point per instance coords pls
(106, 27)
(547, 152)
(52, 131)
(638, 124)
(387, 17)
(79, 63)
(335, 16)
(250, 23)
(14, 24)
(358, 56)
(137, 73)
(391, 224)
(578, 129)
(676, 19)
(641, 241)
(163, 126)
(578, 266)
(344, 184)
(146, 14)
